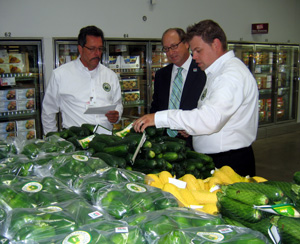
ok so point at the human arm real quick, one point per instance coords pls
(50, 106)
(114, 116)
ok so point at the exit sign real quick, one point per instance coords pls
(260, 28)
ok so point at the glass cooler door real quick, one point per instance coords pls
(21, 88)
(287, 76)
(128, 60)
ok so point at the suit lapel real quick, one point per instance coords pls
(191, 76)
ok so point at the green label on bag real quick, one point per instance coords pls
(280, 209)
(77, 237)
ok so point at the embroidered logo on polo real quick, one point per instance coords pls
(203, 94)
(106, 87)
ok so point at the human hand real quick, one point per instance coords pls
(142, 123)
(183, 133)
(112, 116)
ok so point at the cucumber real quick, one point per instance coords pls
(107, 139)
(170, 156)
(273, 193)
(97, 146)
(172, 146)
(111, 160)
(151, 131)
(195, 162)
(79, 131)
(174, 139)
(120, 150)
(296, 177)
(147, 153)
(145, 164)
(200, 156)
(286, 187)
(131, 141)
(230, 221)
(237, 210)
(90, 127)
(147, 144)
(156, 148)
(245, 196)
(288, 229)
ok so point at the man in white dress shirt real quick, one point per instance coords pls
(224, 125)
(82, 83)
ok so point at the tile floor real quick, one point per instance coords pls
(278, 157)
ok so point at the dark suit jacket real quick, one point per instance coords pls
(192, 89)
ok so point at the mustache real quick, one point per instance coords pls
(96, 58)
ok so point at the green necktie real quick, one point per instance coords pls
(175, 97)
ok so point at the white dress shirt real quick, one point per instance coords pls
(185, 69)
(72, 88)
(227, 114)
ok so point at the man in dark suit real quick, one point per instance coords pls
(177, 51)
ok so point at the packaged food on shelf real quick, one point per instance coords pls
(27, 135)
(24, 125)
(27, 104)
(8, 94)
(7, 127)
(132, 96)
(128, 84)
(4, 68)
(5, 136)
(7, 106)
(25, 93)
(114, 62)
(129, 62)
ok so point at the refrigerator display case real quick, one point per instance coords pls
(21, 88)
(276, 70)
(158, 60)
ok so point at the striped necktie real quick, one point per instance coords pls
(175, 97)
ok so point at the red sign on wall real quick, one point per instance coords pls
(260, 28)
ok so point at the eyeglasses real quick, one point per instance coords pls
(94, 49)
(173, 47)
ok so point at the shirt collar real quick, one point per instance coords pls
(215, 66)
(80, 65)
(185, 66)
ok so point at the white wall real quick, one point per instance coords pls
(64, 18)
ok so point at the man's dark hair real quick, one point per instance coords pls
(180, 32)
(208, 30)
(89, 31)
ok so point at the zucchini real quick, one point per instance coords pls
(111, 160)
(170, 156)
(131, 141)
(273, 193)
(196, 162)
(174, 139)
(200, 156)
(296, 177)
(245, 196)
(120, 150)
(237, 210)
(286, 187)
(172, 146)
(107, 139)
(90, 127)
(151, 131)
(156, 148)
(288, 229)
(98, 146)
(145, 164)
(79, 131)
